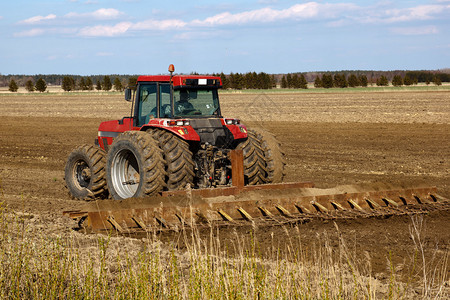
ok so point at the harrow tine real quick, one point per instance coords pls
(372, 204)
(245, 214)
(283, 211)
(302, 209)
(337, 206)
(355, 205)
(225, 216)
(115, 224)
(265, 212)
(139, 222)
(391, 202)
(319, 207)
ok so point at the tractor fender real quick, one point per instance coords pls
(186, 133)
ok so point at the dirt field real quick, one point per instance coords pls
(330, 139)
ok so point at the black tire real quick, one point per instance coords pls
(134, 166)
(274, 156)
(85, 172)
(179, 164)
(254, 162)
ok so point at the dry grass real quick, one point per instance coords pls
(34, 266)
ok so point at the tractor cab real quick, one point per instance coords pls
(175, 97)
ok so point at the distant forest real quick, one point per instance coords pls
(250, 80)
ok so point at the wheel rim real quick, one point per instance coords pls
(125, 174)
(82, 174)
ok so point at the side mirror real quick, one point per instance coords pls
(128, 95)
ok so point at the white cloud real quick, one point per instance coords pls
(105, 30)
(159, 25)
(38, 19)
(331, 14)
(30, 33)
(99, 14)
(426, 30)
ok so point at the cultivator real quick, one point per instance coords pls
(258, 204)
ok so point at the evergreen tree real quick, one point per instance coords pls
(340, 81)
(13, 87)
(41, 85)
(382, 81)
(327, 81)
(284, 82)
(89, 84)
(132, 82)
(363, 80)
(98, 86)
(295, 81)
(118, 85)
(437, 80)
(29, 86)
(289, 80)
(106, 85)
(318, 82)
(225, 82)
(353, 81)
(82, 84)
(407, 80)
(68, 84)
(397, 80)
(303, 84)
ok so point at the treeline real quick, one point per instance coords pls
(250, 80)
(57, 79)
(69, 83)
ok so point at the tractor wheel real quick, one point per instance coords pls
(254, 162)
(179, 164)
(134, 166)
(85, 172)
(274, 156)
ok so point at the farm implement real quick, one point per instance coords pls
(177, 162)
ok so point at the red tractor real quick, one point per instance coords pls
(175, 137)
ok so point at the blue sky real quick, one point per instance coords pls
(89, 37)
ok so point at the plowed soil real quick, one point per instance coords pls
(330, 139)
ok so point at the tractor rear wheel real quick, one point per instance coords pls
(179, 164)
(254, 162)
(85, 172)
(273, 154)
(134, 166)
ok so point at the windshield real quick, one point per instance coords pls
(192, 103)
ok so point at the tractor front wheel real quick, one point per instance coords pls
(85, 172)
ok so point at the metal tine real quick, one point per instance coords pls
(115, 224)
(319, 207)
(355, 205)
(283, 211)
(245, 214)
(372, 204)
(225, 216)
(265, 212)
(337, 206)
(302, 209)
(162, 222)
(139, 222)
(390, 201)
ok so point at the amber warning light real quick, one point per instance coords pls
(171, 68)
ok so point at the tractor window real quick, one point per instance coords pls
(147, 103)
(196, 103)
(164, 98)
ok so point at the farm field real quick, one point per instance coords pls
(398, 137)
